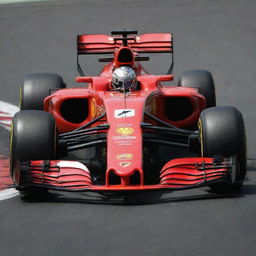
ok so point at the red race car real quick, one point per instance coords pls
(124, 130)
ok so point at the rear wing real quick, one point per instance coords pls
(145, 43)
(104, 44)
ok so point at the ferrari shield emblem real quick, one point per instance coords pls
(125, 131)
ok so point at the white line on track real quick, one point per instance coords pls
(8, 193)
(7, 110)
(19, 1)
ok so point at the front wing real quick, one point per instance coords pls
(177, 174)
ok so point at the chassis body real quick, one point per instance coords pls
(138, 140)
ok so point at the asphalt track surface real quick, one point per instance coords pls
(214, 35)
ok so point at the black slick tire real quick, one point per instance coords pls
(201, 80)
(32, 137)
(222, 132)
(36, 88)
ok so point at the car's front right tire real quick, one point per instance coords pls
(36, 87)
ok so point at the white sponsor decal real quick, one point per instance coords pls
(124, 125)
(122, 113)
(124, 140)
(125, 164)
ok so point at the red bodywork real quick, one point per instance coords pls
(124, 113)
(176, 174)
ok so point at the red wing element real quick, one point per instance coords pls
(185, 172)
(176, 174)
(61, 174)
(145, 43)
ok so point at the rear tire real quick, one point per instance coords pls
(36, 88)
(32, 137)
(222, 132)
(201, 80)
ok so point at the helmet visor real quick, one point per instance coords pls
(125, 85)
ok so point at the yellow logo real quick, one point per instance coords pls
(93, 108)
(124, 156)
(125, 131)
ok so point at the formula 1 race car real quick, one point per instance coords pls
(124, 130)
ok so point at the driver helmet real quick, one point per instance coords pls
(124, 79)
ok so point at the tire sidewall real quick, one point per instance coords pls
(36, 88)
(201, 80)
(33, 137)
(222, 132)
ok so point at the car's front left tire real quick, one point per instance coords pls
(201, 80)
(222, 132)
